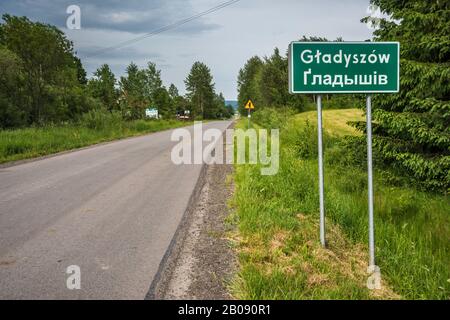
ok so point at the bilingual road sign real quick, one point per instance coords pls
(344, 67)
(250, 105)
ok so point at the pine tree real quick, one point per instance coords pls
(200, 90)
(265, 82)
(173, 91)
(411, 128)
(153, 82)
(248, 83)
(103, 87)
(274, 81)
(162, 102)
(134, 97)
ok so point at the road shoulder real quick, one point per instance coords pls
(201, 262)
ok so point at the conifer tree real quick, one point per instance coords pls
(411, 128)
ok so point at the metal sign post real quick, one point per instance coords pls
(321, 187)
(370, 180)
(249, 116)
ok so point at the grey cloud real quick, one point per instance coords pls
(123, 53)
(132, 16)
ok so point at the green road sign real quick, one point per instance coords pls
(344, 67)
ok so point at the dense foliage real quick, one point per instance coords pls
(411, 128)
(42, 82)
(265, 82)
(205, 103)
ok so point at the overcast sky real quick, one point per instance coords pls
(224, 40)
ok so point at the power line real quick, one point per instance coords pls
(163, 29)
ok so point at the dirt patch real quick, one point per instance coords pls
(202, 261)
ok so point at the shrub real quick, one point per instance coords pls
(101, 119)
(272, 118)
(17, 147)
(343, 101)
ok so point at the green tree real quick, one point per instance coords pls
(219, 110)
(229, 111)
(135, 98)
(411, 128)
(103, 87)
(13, 104)
(179, 103)
(50, 69)
(163, 102)
(265, 82)
(248, 83)
(81, 73)
(173, 91)
(200, 90)
(143, 88)
(153, 82)
(273, 84)
(317, 39)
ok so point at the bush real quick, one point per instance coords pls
(272, 118)
(303, 138)
(17, 147)
(140, 125)
(424, 173)
(101, 119)
(343, 101)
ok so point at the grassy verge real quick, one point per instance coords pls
(34, 142)
(279, 252)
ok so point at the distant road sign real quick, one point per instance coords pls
(151, 113)
(344, 67)
(250, 105)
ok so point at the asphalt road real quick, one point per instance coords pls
(111, 209)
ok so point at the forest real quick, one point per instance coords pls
(42, 81)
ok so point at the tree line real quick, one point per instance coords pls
(43, 81)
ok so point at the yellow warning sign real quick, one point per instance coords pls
(250, 105)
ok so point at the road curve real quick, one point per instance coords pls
(111, 209)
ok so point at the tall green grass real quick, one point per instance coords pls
(28, 143)
(280, 255)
